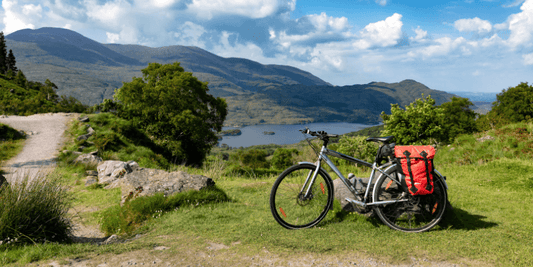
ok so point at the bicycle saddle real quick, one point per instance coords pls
(385, 139)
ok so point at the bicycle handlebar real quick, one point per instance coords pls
(319, 134)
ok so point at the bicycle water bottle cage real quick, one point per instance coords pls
(385, 139)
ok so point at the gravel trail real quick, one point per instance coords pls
(45, 137)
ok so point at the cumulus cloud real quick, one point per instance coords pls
(190, 34)
(420, 35)
(528, 59)
(521, 26)
(473, 25)
(441, 47)
(18, 16)
(206, 9)
(382, 33)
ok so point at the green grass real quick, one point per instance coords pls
(11, 143)
(490, 188)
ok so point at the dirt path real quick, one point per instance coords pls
(45, 137)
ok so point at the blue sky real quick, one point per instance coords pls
(464, 45)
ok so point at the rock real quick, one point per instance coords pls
(485, 138)
(94, 153)
(342, 192)
(268, 133)
(83, 119)
(89, 180)
(133, 165)
(3, 181)
(143, 182)
(83, 137)
(87, 158)
(234, 132)
(3, 117)
(111, 170)
(111, 240)
(91, 173)
(90, 131)
(76, 153)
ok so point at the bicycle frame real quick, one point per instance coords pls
(323, 156)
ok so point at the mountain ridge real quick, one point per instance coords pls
(255, 93)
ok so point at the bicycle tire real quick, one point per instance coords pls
(287, 204)
(418, 214)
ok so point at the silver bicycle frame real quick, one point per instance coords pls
(323, 156)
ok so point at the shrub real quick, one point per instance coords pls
(356, 147)
(283, 158)
(35, 211)
(253, 158)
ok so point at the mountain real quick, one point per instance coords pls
(256, 93)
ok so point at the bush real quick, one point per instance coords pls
(283, 158)
(35, 211)
(514, 104)
(253, 158)
(356, 147)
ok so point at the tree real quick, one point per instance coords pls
(174, 109)
(11, 62)
(458, 118)
(20, 79)
(3, 54)
(419, 123)
(514, 104)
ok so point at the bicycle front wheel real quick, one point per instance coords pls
(418, 213)
(293, 205)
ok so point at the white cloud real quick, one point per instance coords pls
(206, 9)
(322, 22)
(521, 26)
(163, 3)
(382, 33)
(473, 25)
(112, 37)
(442, 47)
(515, 3)
(110, 14)
(528, 59)
(381, 2)
(420, 35)
(17, 18)
(189, 34)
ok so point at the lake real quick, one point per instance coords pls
(284, 134)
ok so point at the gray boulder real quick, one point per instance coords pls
(111, 170)
(89, 180)
(342, 192)
(87, 159)
(84, 119)
(143, 182)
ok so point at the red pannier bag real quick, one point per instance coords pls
(417, 166)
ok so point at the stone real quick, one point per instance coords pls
(83, 137)
(144, 181)
(94, 153)
(90, 131)
(87, 159)
(83, 119)
(111, 170)
(91, 173)
(89, 180)
(3, 181)
(485, 138)
(111, 240)
(341, 192)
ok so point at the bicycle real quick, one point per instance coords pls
(302, 195)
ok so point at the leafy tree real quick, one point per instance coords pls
(11, 62)
(283, 158)
(514, 104)
(419, 123)
(174, 109)
(458, 118)
(20, 79)
(3, 54)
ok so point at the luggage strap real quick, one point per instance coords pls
(413, 187)
(424, 155)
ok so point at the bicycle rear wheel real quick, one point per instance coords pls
(418, 214)
(288, 203)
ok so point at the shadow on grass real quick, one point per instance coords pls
(460, 219)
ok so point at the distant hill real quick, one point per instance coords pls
(256, 93)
